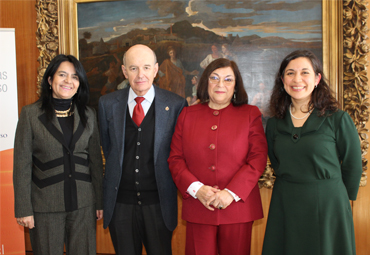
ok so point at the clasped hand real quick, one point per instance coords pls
(27, 222)
(212, 197)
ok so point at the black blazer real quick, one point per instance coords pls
(112, 118)
(39, 156)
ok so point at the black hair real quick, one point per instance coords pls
(79, 100)
(321, 98)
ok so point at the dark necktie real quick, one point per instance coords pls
(138, 114)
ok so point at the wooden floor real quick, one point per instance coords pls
(31, 253)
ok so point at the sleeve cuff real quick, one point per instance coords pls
(193, 189)
(236, 198)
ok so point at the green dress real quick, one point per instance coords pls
(318, 169)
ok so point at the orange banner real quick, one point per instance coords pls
(11, 234)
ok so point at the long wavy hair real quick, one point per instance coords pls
(321, 98)
(241, 96)
(79, 100)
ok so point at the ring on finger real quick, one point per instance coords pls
(220, 207)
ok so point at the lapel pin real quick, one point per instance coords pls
(167, 108)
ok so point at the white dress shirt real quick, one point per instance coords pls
(146, 103)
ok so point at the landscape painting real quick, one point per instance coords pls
(186, 35)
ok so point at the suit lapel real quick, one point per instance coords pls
(54, 128)
(285, 125)
(119, 109)
(162, 111)
(78, 128)
(312, 124)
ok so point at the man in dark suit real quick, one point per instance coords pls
(136, 126)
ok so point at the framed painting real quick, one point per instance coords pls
(256, 34)
(187, 35)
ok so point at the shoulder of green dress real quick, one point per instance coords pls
(271, 122)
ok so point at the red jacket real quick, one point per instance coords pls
(225, 148)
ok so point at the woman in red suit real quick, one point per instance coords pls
(218, 153)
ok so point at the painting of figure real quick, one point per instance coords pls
(171, 73)
(256, 34)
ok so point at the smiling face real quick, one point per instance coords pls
(65, 81)
(300, 79)
(140, 68)
(221, 84)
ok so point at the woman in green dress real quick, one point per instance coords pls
(315, 152)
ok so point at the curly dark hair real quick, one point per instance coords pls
(241, 96)
(80, 99)
(321, 98)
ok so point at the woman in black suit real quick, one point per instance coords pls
(58, 165)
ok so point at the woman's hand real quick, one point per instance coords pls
(204, 195)
(27, 222)
(222, 199)
(99, 214)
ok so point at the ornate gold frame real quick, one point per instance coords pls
(355, 78)
(344, 52)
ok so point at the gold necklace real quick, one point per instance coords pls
(65, 113)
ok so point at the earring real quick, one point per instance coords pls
(316, 86)
(50, 87)
(234, 96)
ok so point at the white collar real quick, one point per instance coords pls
(149, 96)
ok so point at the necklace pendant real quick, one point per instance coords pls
(63, 114)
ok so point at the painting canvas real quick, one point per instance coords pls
(256, 34)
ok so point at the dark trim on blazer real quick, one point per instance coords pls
(69, 176)
(58, 135)
(52, 129)
(58, 178)
(57, 162)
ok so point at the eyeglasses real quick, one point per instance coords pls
(216, 80)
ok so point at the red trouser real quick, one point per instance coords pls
(225, 239)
